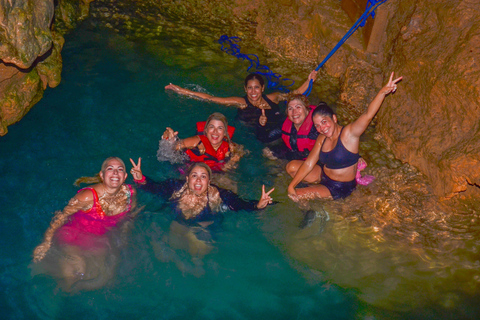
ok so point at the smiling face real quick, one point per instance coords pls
(113, 175)
(215, 132)
(254, 91)
(198, 180)
(324, 124)
(297, 112)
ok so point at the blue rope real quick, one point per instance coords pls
(274, 80)
(369, 12)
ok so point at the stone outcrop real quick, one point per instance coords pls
(30, 51)
(432, 123)
(29, 59)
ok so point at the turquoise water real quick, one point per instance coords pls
(111, 102)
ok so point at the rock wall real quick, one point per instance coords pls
(30, 51)
(27, 56)
(432, 122)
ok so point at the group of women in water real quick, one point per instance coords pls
(323, 154)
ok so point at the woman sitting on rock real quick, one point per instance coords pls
(337, 149)
(255, 108)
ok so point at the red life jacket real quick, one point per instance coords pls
(303, 142)
(215, 159)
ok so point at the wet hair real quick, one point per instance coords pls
(202, 165)
(254, 76)
(105, 163)
(300, 97)
(323, 109)
(220, 117)
(97, 178)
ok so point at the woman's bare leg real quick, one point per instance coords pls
(318, 191)
(312, 177)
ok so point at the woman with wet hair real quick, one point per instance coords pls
(212, 144)
(255, 108)
(337, 149)
(198, 205)
(77, 246)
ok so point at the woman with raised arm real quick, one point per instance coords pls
(212, 144)
(255, 108)
(78, 239)
(198, 205)
(337, 149)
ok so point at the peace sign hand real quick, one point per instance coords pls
(391, 86)
(263, 119)
(265, 199)
(136, 170)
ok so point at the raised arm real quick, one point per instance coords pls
(187, 143)
(236, 203)
(307, 165)
(312, 76)
(82, 201)
(230, 101)
(278, 96)
(163, 189)
(358, 127)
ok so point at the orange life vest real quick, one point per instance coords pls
(215, 159)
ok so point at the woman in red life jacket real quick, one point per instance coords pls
(298, 133)
(211, 145)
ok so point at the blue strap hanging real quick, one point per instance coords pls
(369, 12)
(274, 80)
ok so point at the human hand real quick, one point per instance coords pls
(173, 87)
(169, 134)
(265, 198)
(263, 119)
(40, 251)
(391, 86)
(313, 75)
(136, 171)
(292, 194)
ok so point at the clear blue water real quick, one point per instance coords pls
(111, 102)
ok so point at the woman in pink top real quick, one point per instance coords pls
(81, 231)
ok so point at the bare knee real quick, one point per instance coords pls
(293, 166)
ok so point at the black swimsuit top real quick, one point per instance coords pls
(250, 113)
(339, 157)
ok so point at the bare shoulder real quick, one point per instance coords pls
(86, 195)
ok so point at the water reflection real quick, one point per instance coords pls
(393, 241)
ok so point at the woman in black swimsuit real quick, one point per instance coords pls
(255, 108)
(337, 149)
(198, 206)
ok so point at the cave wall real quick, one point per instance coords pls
(432, 122)
(30, 51)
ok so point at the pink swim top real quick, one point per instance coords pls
(87, 229)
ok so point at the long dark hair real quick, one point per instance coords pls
(323, 109)
(254, 76)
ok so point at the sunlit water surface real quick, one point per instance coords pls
(388, 251)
